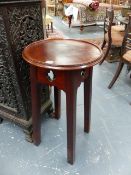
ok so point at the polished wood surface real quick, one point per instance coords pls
(63, 64)
(62, 54)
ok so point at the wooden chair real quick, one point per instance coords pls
(125, 53)
(51, 7)
(113, 34)
(49, 22)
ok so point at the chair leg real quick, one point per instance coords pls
(118, 71)
(46, 33)
(81, 28)
(106, 53)
(70, 20)
(103, 44)
(52, 27)
(1, 120)
(48, 26)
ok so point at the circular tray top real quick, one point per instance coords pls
(62, 54)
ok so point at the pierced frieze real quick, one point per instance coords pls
(51, 76)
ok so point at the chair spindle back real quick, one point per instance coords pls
(127, 39)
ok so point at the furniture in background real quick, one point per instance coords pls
(48, 24)
(126, 11)
(51, 7)
(64, 64)
(113, 34)
(123, 20)
(88, 16)
(20, 24)
(125, 53)
(60, 8)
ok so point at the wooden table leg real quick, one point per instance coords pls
(87, 100)
(35, 94)
(57, 102)
(71, 94)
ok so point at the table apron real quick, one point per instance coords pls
(61, 79)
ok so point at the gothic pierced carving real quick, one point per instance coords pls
(24, 26)
(7, 94)
(20, 24)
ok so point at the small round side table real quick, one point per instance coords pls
(64, 64)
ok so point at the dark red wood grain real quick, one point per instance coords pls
(71, 62)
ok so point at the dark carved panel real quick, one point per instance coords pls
(20, 24)
(25, 26)
(7, 94)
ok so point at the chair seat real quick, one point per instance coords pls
(117, 38)
(118, 28)
(127, 56)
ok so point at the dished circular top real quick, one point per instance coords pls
(63, 54)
